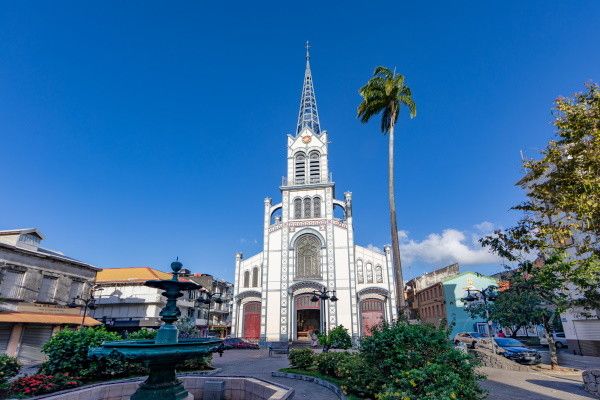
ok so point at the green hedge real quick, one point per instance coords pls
(399, 362)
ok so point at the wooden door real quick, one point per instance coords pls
(372, 314)
(252, 320)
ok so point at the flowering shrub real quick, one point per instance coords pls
(9, 367)
(302, 358)
(328, 362)
(38, 384)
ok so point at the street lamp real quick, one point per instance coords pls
(208, 299)
(89, 303)
(487, 294)
(324, 295)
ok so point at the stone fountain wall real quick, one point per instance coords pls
(234, 388)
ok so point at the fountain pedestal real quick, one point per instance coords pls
(164, 353)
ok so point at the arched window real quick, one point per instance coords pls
(255, 277)
(315, 167)
(359, 272)
(247, 279)
(378, 274)
(369, 273)
(308, 257)
(298, 208)
(307, 207)
(300, 169)
(317, 207)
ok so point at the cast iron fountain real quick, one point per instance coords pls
(167, 350)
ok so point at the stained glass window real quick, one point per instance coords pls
(369, 273)
(247, 279)
(307, 207)
(359, 272)
(317, 207)
(378, 274)
(297, 208)
(255, 277)
(308, 257)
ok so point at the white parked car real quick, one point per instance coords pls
(559, 340)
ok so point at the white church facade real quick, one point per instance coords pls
(306, 248)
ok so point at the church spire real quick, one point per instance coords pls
(308, 115)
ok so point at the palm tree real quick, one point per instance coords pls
(386, 93)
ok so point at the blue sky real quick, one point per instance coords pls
(135, 132)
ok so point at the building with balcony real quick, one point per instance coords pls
(308, 245)
(36, 287)
(213, 313)
(123, 303)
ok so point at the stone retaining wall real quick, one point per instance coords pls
(591, 381)
(235, 388)
(489, 359)
(322, 382)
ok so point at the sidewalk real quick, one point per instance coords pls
(258, 364)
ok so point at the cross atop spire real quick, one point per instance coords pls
(308, 115)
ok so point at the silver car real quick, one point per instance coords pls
(559, 339)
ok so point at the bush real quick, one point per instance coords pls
(142, 334)
(38, 384)
(340, 338)
(416, 361)
(67, 353)
(9, 367)
(302, 358)
(196, 364)
(358, 377)
(328, 362)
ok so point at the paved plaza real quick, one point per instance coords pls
(258, 364)
(501, 384)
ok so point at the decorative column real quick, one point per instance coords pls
(264, 268)
(330, 272)
(236, 290)
(352, 268)
(285, 259)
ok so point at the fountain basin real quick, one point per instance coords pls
(149, 350)
(234, 388)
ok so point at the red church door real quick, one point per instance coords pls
(252, 320)
(372, 314)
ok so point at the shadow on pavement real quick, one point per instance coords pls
(502, 391)
(567, 387)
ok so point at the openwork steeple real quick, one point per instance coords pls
(308, 115)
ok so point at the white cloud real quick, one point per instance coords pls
(485, 227)
(375, 248)
(449, 246)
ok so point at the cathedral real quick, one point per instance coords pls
(310, 275)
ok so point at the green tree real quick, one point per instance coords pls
(513, 308)
(564, 184)
(561, 222)
(385, 93)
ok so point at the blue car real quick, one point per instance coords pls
(517, 351)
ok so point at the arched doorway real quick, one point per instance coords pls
(372, 314)
(308, 316)
(251, 320)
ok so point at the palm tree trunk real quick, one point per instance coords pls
(397, 265)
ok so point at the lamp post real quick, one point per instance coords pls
(89, 303)
(487, 294)
(208, 299)
(323, 295)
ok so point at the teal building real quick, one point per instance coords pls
(454, 289)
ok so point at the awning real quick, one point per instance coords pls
(50, 319)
